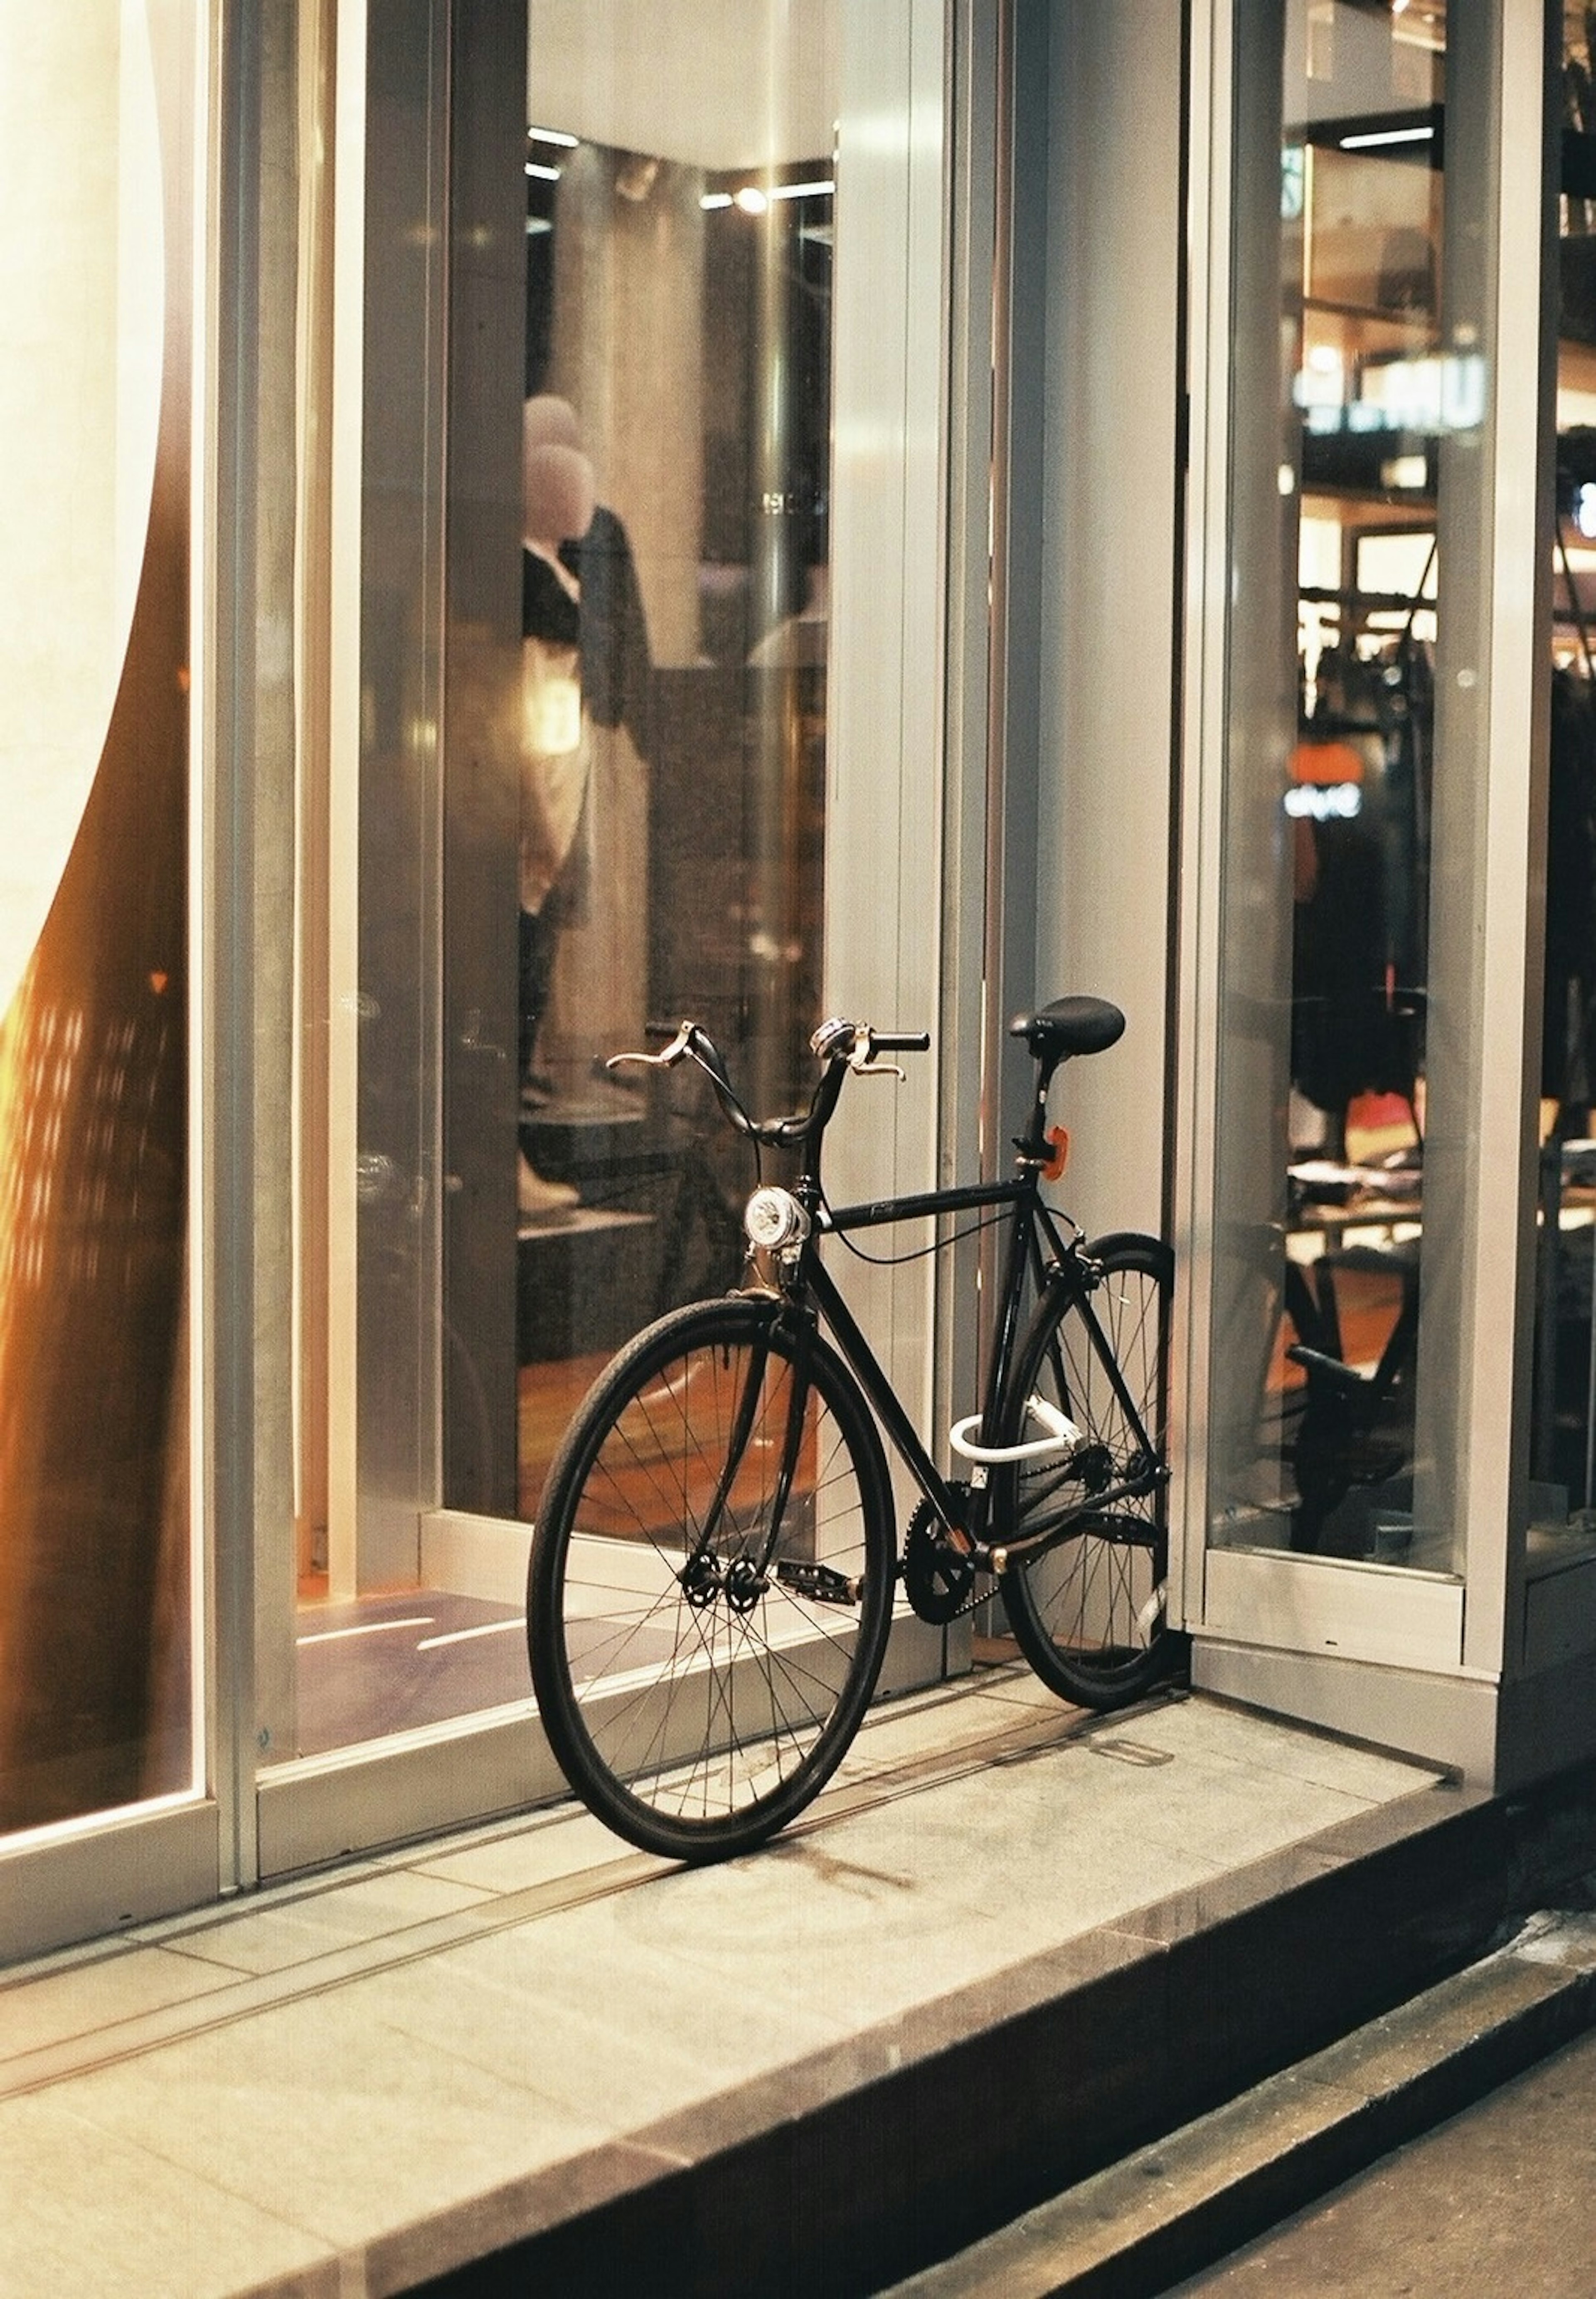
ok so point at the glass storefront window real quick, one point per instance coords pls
(593, 794)
(1562, 1446)
(98, 1590)
(1354, 760)
(674, 865)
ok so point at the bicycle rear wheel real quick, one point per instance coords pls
(710, 1583)
(1088, 1614)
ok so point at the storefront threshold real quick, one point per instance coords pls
(1011, 1944)
(1422, 1712)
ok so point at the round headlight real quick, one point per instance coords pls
(774, 1218)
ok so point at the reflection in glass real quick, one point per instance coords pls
(678, 319)
(97, 1630)
(1563, 1444)
(1352, 375)
(628, 819)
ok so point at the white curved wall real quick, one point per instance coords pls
(80, 346)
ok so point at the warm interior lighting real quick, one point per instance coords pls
(1375, 137)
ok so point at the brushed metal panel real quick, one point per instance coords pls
(76, 1888)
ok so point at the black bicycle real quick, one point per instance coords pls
(714, 1565)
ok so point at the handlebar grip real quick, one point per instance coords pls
(900, 1042)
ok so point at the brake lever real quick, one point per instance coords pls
(860, 1038)
(864, 1061)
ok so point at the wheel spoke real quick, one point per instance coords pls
(695, 1699)
(1085, 1610)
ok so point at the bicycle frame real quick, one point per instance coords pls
(1035, 1254)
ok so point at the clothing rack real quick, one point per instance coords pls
(1574, 612)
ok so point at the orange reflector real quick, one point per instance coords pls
(1059, 1135)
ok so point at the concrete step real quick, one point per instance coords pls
(1009, 1948)
(851, 2169)
(1175, 2207)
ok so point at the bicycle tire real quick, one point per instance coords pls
(694, 1725)
(1084, 1614)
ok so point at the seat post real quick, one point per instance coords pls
(1033, 1145)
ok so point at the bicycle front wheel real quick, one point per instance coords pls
(1088, 1614)
(710, 1583)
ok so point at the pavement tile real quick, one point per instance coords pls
(1216, 1733)
(610, 2031)
(926, 1727)
(1392, 1821)
(913, 2038)
(312, 2112)
(1218, 1899)
(566, 1842)
(292, 1927)
(1074, 1841)
(1068, 1873)
(58, 2006)
(94, 2214)
(859, 1921)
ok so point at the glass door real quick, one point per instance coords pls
(1560, 1560)
(1348, 840)
(612, 761)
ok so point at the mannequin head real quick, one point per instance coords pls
(549, 422)
(557, 494)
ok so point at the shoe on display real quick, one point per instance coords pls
(537, 1198)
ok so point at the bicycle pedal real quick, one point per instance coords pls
(818, 1582)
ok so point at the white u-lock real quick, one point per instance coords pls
(1062, 1433)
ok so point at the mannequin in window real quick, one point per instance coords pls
(558, 505)
(585, 944)
(617, 666)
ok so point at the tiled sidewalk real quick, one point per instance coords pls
(343, 2085)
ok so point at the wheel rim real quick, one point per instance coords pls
(1097, 1597)
(711, 1687)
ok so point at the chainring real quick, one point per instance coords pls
(939, 1583)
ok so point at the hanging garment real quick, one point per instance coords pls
(555, 748)
(617, 668)
(1570, 981)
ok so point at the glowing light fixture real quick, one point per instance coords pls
(1371, 139)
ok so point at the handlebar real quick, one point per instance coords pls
(857, 1044)
(840, 1047)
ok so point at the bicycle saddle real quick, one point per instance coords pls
(1069, 1026)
